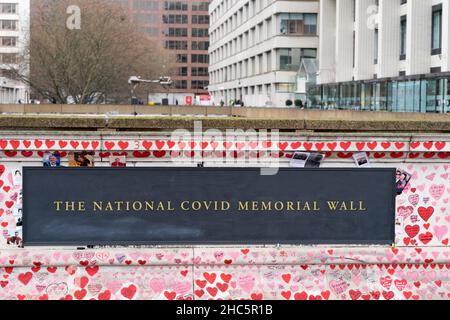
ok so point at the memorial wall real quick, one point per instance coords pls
(398, 252)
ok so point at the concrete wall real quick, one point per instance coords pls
(414, 268)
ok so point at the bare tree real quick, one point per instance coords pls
(96, 59)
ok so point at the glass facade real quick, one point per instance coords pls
(427, 94)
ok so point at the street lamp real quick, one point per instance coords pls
(134, 82)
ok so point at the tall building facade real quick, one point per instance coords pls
(14, 31)
(389, 55)
(181, 26)
(256, 49)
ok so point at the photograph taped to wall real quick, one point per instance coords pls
(401, 181)
(299, 159)
(17, 177)
(306, 160)
(51, 159)
(362, 160)
(81, 159)
(17, 211)
(14, 236)
(118, 161)
(19, 221)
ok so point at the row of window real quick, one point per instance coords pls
(195, 84)
(9, 24)
(195, 58)
(8, 41)
(245, 92)
(195, 71)
(183, 19)
(287, 59)
(7, 58)
(249, 9)
(146, 5)
(8, 7)
(183, 32)
(183, 45)
(288, 24)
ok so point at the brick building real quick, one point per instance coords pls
(181, 26)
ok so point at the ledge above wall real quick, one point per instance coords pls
(155, 118)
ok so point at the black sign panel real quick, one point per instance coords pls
(124, 206)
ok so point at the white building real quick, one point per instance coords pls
(14, 30)
(256, 47)
(388, 55)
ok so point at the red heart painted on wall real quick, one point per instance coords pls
(129, 292)
(425, 238)
(412, 231)
(25, 277)
(106, 295)
(426, 213)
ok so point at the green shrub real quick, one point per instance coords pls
(298, 103)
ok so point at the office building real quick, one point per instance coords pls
(181, 26)
(14, 30)
(256, 49)
(389, 55)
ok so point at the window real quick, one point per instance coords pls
(176, 45)
(199, 84)
(403, 28)
(8, 41)
(177, 6)
(175, 19)
(200, 45)
(183, 71)
(436, 32)
(177, 32)
(199, 71)
(200, 58)
(182, 58)
(375, 53)
(180, 84)
(298, 23)
(197, 19)
(284, 87)
(145, 5)
(8, 24)
(8, 7)
(199, 33)
(200, 6)
(8, 58)
(289, 59)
